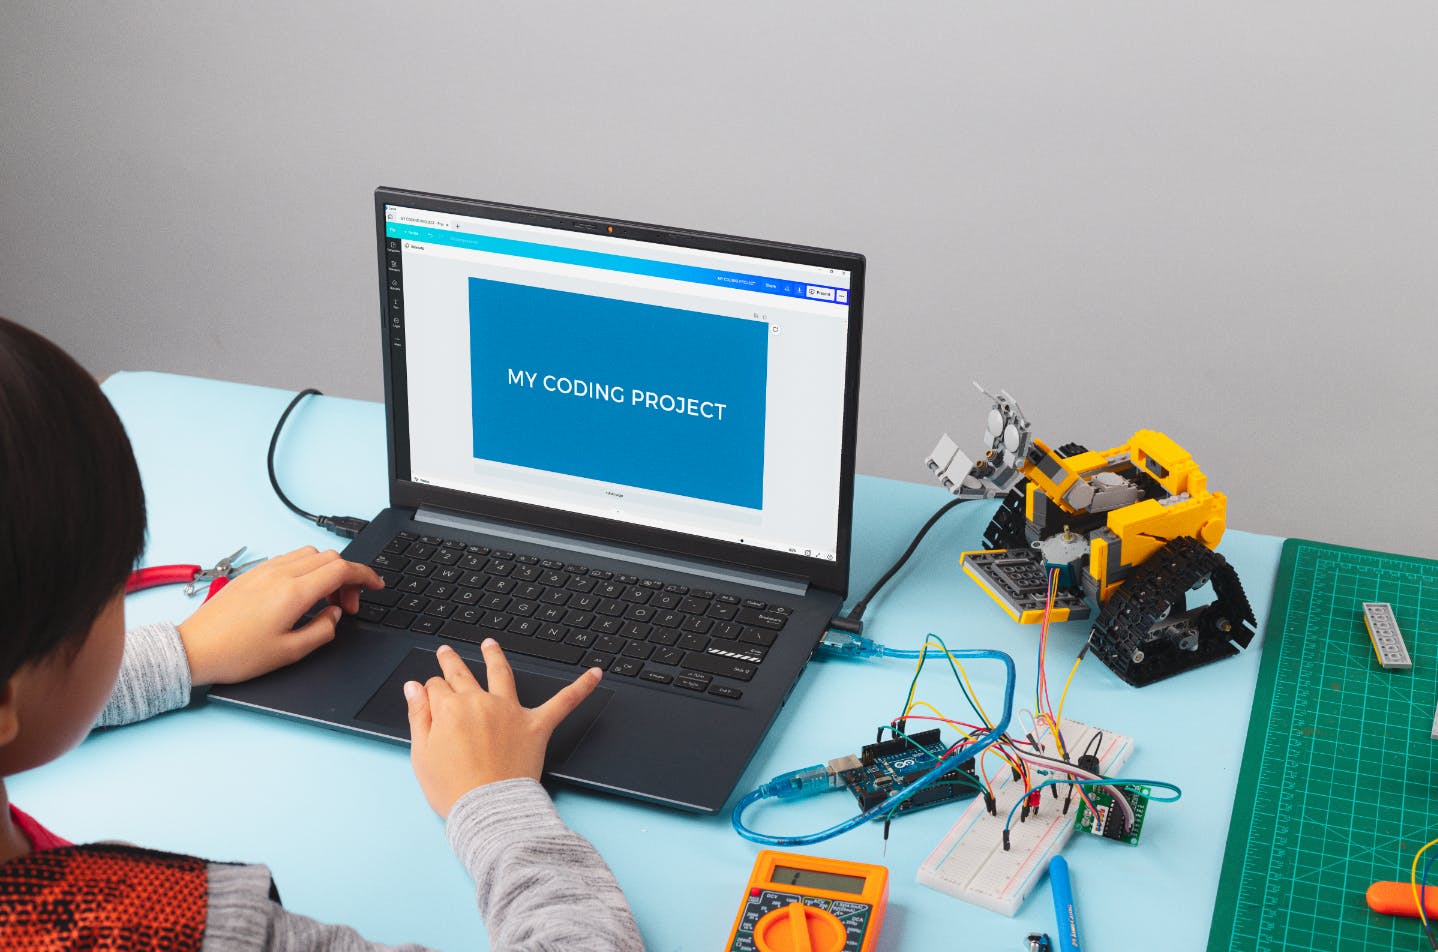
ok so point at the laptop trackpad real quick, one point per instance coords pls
(388, 707)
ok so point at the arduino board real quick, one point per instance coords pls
(883, 767)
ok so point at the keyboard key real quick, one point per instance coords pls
(658, 677)
(580, 637)
(399, 619)
(439, 590)
(757, 636)
(639, 613)
(413, 585)
(495, 602)
(426, 625)
(637, 649)
(721, 611)
(496, 620)
(755, 604)
(608, 626)
(419, 550)
(414, 603)
(524, 626)
(441, 609)
(724, 690)
(692, 642)
(666, 600)
(597, 659)
(610, 643)
(698, 624)
(750, 616)
(690, 684)
(628, 667)
(699, 676)
(728, 630)
(663, 636)
(551, 632)
(385, 596)
(422, 569)
(523, 608)
(669, 656)
(446, 556)
(635, 630)
(371, 612)
(395, 563)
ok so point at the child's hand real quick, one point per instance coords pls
(462, 736)
(248, 630)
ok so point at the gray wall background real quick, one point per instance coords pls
(1216, 219)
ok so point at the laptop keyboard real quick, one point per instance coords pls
(693, 639)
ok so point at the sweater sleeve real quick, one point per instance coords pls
(541, 887)
(154, 676)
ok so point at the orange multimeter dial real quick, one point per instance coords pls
(801, 903)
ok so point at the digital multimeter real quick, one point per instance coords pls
(810, 904)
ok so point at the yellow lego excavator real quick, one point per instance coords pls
(1130, 530)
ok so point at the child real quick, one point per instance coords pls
(74, 526)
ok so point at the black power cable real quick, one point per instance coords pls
(853, 622)
(345, 526)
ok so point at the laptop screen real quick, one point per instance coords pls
(665, 385)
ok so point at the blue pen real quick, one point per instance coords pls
(1064, 904)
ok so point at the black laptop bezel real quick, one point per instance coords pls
(820, 573)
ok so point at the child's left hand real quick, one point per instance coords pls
(247, 629)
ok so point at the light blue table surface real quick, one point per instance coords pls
(342, 825)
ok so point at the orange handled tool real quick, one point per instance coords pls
(1396, 899)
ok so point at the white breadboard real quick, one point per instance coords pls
(971, 863)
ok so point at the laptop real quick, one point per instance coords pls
(610, 444)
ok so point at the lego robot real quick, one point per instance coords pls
(1131, 530)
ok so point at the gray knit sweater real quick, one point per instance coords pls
(540, 885)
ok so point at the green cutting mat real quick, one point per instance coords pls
(1339, 785)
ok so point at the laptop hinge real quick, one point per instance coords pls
(787, 584)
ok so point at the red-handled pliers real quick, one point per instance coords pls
(192, 575)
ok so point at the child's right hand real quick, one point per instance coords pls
(462, 736)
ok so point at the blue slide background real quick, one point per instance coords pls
(663, 349)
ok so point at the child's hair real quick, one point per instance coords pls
(72, 509)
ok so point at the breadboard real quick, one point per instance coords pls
(1337, 785)
(971, 863)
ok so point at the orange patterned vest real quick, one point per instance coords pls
(103, 897)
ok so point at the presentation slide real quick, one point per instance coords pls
(657, 398)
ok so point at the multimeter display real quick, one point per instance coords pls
(808, 902)
(814, 879)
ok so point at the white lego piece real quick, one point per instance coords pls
(1387, 640)
(971, 862)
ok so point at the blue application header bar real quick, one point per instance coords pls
(622, 263)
